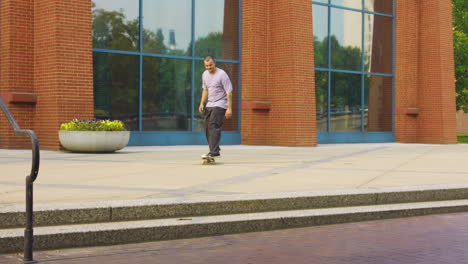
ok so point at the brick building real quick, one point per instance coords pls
(304, 72)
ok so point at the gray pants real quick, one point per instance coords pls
(214, 119)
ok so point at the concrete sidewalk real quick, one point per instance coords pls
(176, 171)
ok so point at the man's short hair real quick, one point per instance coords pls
(208, 58)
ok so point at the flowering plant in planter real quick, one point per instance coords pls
(93, 135)
(93, 125)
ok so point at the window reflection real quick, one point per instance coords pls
(378, 103)
(116, 88)
(346, 39)
(345, 104)
(167, 27)
(166, 81)
(216, 28)
(320, 23)
(380, 6)
(348, 3)
(115, 24)
(166, 94)
(378, 44)
(321, 98)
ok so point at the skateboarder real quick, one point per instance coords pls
(217, 89)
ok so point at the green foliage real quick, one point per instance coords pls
(93, 125)
(460, 39)
(462, 138)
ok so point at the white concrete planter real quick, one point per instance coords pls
(94, 141)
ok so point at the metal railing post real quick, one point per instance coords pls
(28, 232)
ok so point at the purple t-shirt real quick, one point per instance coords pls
(218, 85)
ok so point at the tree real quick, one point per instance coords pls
(460, 39)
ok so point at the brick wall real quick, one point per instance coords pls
(16, 67)
(278, 71)
(63, 76)
(254, 122)
(46, 52)
(437, 122)
(424, 86)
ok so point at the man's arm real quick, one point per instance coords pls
(203, 100)
(229, 109)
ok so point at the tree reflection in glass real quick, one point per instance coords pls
(166, 94)
(346, 39)
(345, 104)
(116, 88)
(320, 23)
(321, 99)
(115, 24)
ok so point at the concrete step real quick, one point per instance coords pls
(99, 234)
(114, 211)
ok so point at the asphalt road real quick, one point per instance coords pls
(441, 239)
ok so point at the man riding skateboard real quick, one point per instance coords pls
(217, 89)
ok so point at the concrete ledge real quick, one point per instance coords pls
(111, 211)
(152, 230)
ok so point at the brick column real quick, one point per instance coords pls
(424, 78)
(254, 123)
(63, 76)
(16, 69)
(406, 70)
(278, 94)
(437, 118)
(291, 73)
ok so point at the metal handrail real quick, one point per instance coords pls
(28, 232)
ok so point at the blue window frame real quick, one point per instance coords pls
(148, 60)
(354, 67)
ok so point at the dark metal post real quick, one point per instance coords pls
(28, 231)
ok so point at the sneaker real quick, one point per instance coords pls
(210, 155)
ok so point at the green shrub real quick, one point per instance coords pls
(93, 125)
(462, 138)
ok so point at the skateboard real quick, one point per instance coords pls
(208, 161)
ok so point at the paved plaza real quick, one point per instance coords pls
(176, 171)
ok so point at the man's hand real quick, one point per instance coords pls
(201, 108)
(228, 113)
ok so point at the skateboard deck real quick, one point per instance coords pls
(208, 161)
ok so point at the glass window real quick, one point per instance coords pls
(216, 29)
(167, 27)
(346, 39)
(348, 3)
(377, 44)
(165, 75)
(358, 102)
(232, 70)
(116, 24)
(320, 1)
(380, 6)
(320, 23)
(345, 104)
(116, 79)
(166, 94)
(377, 103)
(321, 98)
